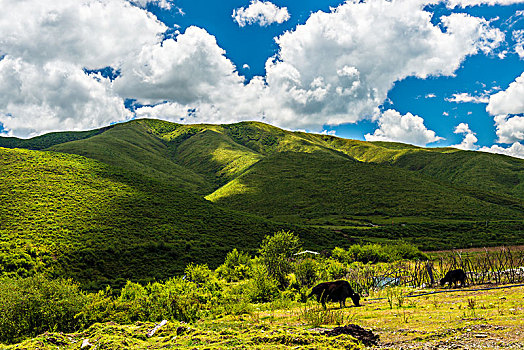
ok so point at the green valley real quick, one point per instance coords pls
(142, 199)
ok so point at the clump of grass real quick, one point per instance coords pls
(395, 295)
(315, 316)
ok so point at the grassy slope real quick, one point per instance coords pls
(97, 223)
(48, 140)
(316, 185)
(131, 147)
(145, 198)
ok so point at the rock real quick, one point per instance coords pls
(86, 344)
(157, 327)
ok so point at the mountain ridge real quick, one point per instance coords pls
(162, 194)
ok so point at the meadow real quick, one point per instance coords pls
(262, 302)
(463, 320)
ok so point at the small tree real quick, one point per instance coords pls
(306, 272)
(236, 266)
(275, 253)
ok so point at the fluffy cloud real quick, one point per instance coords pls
(406, 128)
(336, 68)
(465, 97)
(55, 96)
(259, 12)
(466, 3)
(509, 101)
(189, 69)
(507, 108)
(47, 47)
(515, 150)
(518, 36)
(91, 33)
(369, 46)
(165, 4)
(469, 141)
(509, 128)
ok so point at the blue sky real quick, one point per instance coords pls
(430, 73)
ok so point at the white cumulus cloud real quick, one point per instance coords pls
(339, 66)
(165, 4)
(507, 107)
(465, 97)
(406, 128)
(259, 12)
(469, 141)
(518, 36)
(189, 69)
(47, 47)
(509, 101)
(466, 3)
(515, 150)
(336, 68)
(55, 96)
(91, 33)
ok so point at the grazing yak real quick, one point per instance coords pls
(335, 291)
(454, 276)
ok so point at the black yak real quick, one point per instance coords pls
(335, 291)
(454, 276)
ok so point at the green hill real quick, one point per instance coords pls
(81, 218)
(315, 186)
(140, 200)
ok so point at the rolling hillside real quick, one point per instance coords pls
(81, 218)
(140, 200)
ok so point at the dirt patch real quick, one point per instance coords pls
(367, 338)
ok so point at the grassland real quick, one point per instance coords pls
(490, 319)
(140, 200)
(76, 217)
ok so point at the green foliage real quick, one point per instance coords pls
(262, 287)
(236, 266)
(34, 305)
(373, 253)
(332, 270)
(51, 139)
(316, 316)
(199, 274)
(135, 208)
(79, 218)
(306, 272)
(328, 189)
(276, 252)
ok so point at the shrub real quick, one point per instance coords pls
(262, 287)
(373, 253)
(34, 305)
(317, 316)
(275, 253)
(200, 274)
(331, 270)
(236, 266)
(306, 272)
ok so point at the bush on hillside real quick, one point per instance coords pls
(276, 252)
(31, 306)
(306, 272)
(200, 274)
(236, 266)
(262, 287)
